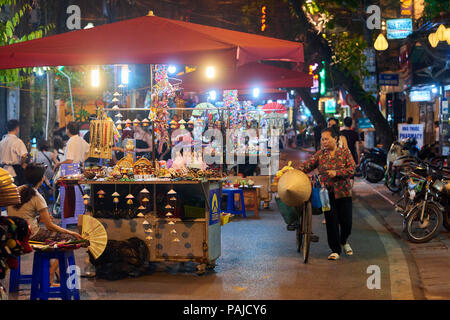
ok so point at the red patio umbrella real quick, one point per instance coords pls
(274, 107)
(252, 75)
(149, 40)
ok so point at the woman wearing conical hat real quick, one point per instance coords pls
(336, 166)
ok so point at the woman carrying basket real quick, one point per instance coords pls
(336, 166)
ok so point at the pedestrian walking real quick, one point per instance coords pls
(335, 166)
(317, 131)
(13, 152)
(352, 139)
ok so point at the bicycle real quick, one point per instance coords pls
(304, 230)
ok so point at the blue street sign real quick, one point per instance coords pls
(388, 79)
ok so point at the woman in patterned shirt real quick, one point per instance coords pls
(336, 166)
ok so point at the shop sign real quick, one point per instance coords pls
(420, 96)
(398, 28)
(330, 106)
(406, 7)
(388, 79)
(214, 206)
(364, 123)
(411, 131)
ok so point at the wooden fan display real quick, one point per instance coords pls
(9, 194)
(102, 139)
(95, 232)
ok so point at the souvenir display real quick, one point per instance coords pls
(101, 138)
(9, 194)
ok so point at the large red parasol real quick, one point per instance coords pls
(252, 75)
(149, 40)
(274, 107)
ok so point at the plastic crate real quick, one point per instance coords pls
(193, 212)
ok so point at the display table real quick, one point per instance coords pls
(199, 238)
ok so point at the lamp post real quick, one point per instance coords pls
(70, 91)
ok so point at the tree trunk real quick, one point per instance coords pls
(313, 106)
(316, 44)
(26, 111)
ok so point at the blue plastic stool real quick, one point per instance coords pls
(79, 206)
(16, 278)
(230, 201)
(40, 285)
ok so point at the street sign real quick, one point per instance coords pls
(411, 131)
(388, 79)
(398, 28)
(364, 123)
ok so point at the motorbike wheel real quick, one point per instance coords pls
(446, 221)
(373, 175)
(423, 232)
(392, 186)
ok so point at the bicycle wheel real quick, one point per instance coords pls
(306, 230)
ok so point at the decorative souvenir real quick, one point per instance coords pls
(145, 122)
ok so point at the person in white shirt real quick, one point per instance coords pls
(13, 152)
(77, 148)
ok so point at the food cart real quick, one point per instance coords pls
(195, 237)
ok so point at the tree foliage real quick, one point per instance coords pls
(434, 8)
(11, 17)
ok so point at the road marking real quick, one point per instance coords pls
(382, 195)
(401, 287)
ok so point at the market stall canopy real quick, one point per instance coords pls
(274, 107)
(202, 107)
(149, 40)
(252, 75)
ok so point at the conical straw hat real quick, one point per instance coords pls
(294, 188)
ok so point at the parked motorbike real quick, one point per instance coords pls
(425, 203)
(405, 153)
(372, 164)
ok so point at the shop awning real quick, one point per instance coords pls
(149, 40)
(252, 75)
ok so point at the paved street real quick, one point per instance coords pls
(259, 261)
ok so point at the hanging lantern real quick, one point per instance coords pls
(136, 122)
(173, 231)
(141, 208)
(144, 191)
(86, 199)
(149, 238)
(145, 222)
(381, 43)
(432, 38)
(116, 200)
(148, 230)
(440, 33)
(171, 223)
(176, 240)
(101, 194)
(169, 214)
(128, 123)
(171, 192)
(140, 215)
(145, 122)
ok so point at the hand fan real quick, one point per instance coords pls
(95, 232)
